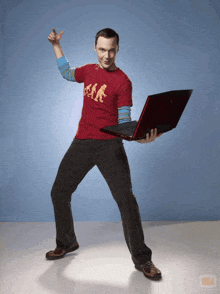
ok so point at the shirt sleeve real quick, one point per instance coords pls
(125, 94)
(80, 74)
(65, 70)
(124, 114)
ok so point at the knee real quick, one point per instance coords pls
(125, 199)
(54, 194)
(60, 194)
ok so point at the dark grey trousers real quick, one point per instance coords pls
(110, 158)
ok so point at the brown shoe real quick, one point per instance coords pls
(149, 270)
(60, 252)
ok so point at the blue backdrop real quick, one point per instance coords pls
(164, 45)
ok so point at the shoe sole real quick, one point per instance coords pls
(139, 268)
(54, 257)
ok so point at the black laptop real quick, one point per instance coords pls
(161, 111)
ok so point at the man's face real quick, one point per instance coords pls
(107, 50)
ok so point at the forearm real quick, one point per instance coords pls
(58, 51)
(124, 114)
(65, 70)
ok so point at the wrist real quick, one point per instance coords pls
(58, 51)
(56, 45)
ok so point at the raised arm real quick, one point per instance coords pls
(63, 64)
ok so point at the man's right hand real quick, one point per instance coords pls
(54, 38)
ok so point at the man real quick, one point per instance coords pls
(107, 101)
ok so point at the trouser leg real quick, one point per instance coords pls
(74, 166)
(113, 165)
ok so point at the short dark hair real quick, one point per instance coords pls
(107, 33)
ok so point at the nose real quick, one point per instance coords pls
(107, 55)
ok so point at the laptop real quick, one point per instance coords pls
(161, 111)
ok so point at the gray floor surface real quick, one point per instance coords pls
(187, 253)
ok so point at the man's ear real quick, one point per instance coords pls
(94, 48)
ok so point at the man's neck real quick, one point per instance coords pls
(112, 68)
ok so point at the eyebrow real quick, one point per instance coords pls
(105, 49)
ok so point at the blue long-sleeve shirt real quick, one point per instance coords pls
(68, 73)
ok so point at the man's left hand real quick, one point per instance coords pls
(150, 138)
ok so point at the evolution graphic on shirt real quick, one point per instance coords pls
(93, 93)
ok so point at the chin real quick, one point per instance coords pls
(107, 66)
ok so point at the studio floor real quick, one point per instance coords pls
(187, 253)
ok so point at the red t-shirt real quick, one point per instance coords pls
(104, 93)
